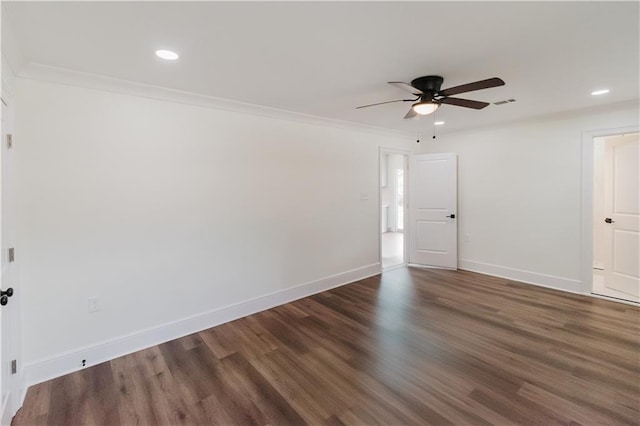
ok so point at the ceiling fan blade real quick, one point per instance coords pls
(470, 87)
(387, 102)
(467, 103)
(412, 113)
(406, 87)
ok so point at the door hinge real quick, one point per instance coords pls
(9, 141)
(14, 366)
(12, 254)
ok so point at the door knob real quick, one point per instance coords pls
(609, 220)
(5, 295)
(452, 216)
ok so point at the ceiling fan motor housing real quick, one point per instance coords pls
(429, 85)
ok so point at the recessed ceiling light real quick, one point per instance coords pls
(600, 92)
(167, 54)
(439, 123)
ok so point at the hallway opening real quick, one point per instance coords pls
(393, 172)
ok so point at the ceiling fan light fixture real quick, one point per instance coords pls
(425, 108)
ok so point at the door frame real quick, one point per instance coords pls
(16, 385)
(405, 240)
(586, 268)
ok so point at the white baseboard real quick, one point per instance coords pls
(61, 364)
(543, 280)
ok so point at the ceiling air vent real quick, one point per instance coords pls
(504, 102)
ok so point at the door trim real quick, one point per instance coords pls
(15, 384)
(382, 150)
(586, 244)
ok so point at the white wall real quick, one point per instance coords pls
(519, 195)
(164, 211)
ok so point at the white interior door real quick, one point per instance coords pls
(622, 210)
(432, 210)
(9, 384)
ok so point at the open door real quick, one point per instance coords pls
(622, 221)
(432, 210)
(9, 333)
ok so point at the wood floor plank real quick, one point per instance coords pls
(210, 411)
(65, 404)
(151, 361)
(36, 405)
(183, 369)
(104, 408)
(275, 408)
(135, 404)
(167, 398)
(226, 391)
(301, 398)
(411, 346)
(219, 344)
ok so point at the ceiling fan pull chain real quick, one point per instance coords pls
(434, 124)
(418, 135)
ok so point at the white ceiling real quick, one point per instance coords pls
(325, 58)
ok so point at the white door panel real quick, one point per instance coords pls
(432, 236)
(622, 208)
(433, 240)
(9, 317)
(625, 177)
(432, 197)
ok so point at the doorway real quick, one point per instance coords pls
(393, 194)
(616, 217)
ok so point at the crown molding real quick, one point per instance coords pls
(64, 76)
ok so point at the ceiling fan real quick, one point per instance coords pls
(429, 97)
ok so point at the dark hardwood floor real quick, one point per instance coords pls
(408, 347)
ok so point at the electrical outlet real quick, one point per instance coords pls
(94, 305)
